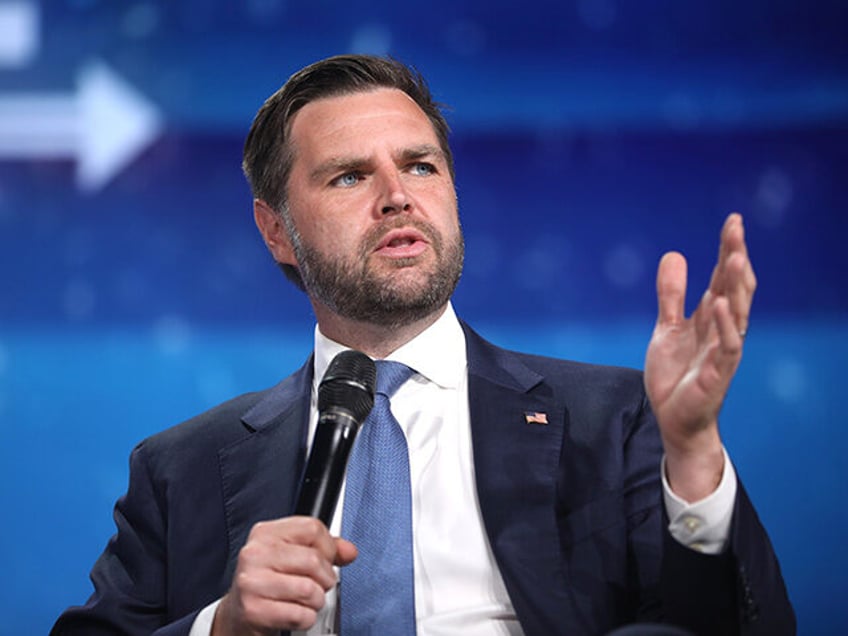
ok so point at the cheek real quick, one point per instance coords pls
(318, 220)
(449, 212)
(437, 199)
(334, 233)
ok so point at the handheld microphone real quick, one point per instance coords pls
(345, 397)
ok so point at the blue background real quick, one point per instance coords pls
(590, 137)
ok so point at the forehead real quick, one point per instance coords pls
(361, 119)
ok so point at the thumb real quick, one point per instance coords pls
(346, 552)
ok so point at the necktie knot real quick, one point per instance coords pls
(391, 376)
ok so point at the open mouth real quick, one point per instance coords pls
(402, 243)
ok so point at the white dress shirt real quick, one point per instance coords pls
(458, 587)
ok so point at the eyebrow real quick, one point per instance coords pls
(338, 165)
(341, 165)
(421, 151)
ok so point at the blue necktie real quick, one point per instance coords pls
(377, 594)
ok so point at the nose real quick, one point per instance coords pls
(394, 196)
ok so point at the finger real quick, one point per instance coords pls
(703, 317)
(671, 289)
(732, 240)
(307, 562)
(297, 545)
(740, 290)
(303, 561)
(734, 275)
(283, 588)
(306, 531)
(730, 341)
(265, 613)
(346, 552)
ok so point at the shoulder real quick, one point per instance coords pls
(564, 375)
(192, 446)
(215, 426)
(200, 438)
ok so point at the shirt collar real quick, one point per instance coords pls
(437, 353)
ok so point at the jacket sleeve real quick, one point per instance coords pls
(738, 592)
(130, 577)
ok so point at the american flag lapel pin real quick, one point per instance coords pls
(535, 417)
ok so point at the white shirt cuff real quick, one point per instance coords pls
(202, 625)
(703, 525)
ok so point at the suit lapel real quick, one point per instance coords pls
(515, 469)
(516, 459)
(260, 472)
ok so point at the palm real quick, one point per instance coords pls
(683, 378)
(690, 362)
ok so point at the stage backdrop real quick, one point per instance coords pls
(590, 136)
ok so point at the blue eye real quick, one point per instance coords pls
(347, 180)
(422, 169)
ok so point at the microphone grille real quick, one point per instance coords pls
(349, 384)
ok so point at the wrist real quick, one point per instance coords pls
(694, 466)
(222, 623)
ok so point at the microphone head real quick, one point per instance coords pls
(349, 384)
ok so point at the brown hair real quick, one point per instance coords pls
(267, 154)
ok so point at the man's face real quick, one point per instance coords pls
(376, 231)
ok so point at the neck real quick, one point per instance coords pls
(377, 341)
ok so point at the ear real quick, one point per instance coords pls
(274, 232)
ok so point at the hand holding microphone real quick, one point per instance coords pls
(279, 583)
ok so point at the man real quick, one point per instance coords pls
(540, 504)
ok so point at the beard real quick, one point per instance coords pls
(353, 289)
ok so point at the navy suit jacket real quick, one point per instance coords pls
(572, 508)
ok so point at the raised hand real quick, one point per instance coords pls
(690, 362)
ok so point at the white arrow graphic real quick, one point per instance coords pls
(104, 126)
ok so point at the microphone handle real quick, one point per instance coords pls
(325, 469)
